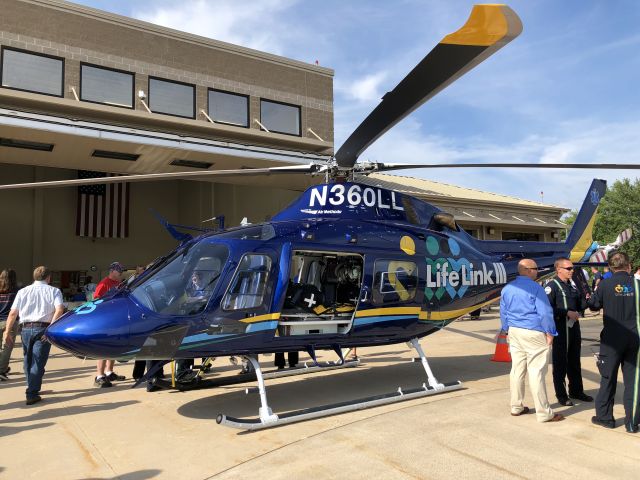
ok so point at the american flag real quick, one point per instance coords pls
(103, 210)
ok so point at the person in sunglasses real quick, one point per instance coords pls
(567, 303)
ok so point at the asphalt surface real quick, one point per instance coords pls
(79, 432)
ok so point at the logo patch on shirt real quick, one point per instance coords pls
(547, 290)
(623, 290)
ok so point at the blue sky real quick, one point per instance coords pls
(567, 90)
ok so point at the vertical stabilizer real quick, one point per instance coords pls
(580, 238)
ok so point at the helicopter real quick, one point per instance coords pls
(346, 265)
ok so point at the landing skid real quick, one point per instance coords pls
(266, 417)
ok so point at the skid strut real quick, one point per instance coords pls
(268, 419)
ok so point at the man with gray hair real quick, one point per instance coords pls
(527, 317)
(38, 306)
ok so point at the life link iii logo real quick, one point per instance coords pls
(595, 197)
(87, 307)
(455, 275)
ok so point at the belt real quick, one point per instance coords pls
(35, 324)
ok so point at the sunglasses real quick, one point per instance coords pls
(566, 268)
(531, 268)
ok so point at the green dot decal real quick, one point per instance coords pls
(432, 246)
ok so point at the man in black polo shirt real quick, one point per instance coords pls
(619, 296)
(567, 304)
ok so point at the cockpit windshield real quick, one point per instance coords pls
(185, 282)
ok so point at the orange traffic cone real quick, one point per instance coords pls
(502, 349)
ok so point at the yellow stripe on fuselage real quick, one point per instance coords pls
(486, 26)
(261, 318)
(439, 315)
(584, 242)
(374, 312)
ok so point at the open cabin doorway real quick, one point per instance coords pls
(323, 293)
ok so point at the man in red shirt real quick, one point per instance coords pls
(105, 374)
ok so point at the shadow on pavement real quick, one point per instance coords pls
(6, 431)
(49, 400)
(52, 413)
(139, 475)
(340, 386)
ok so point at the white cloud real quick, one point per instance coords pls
(577, 143)
(257, 25)
(365, 89)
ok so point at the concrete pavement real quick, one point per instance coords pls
(79, 432)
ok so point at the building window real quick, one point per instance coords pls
(231, 108)
(280, 117)
(32, 72)
(172, 98)
(105, 85)
(521, 236)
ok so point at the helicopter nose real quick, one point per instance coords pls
(98, 329)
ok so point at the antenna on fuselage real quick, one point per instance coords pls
(219, 218)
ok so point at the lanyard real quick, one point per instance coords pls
(564, 295)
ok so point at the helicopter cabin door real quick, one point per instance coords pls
(322, 294)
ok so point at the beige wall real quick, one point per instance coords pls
(80, 34)
(38, 227)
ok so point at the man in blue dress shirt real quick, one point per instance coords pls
(527, 317)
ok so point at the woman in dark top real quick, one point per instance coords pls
(8, 290)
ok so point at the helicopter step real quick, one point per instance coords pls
(266, 417)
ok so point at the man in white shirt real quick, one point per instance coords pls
(38, 306)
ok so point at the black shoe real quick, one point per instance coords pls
(603, 423)
(32, 400)
(3, 377)
(583, 397)
(113, 377)
(153, 388)
(565, 402)
(631, 427)
(102, 382)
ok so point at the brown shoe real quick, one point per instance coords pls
(558, 417)
(524, 411)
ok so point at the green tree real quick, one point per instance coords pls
(620, 209)
(569, 219)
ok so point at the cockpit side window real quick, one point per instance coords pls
(395, 281)
(250, 283)
(185, 283)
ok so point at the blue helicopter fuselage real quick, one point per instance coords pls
(345, 265)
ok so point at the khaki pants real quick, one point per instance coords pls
(5, 352)
(529, 353)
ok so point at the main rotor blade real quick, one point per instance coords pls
(488, 29)
(385, 167)
(165, 176)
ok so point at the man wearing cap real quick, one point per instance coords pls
(38, 306)
(104, 373)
